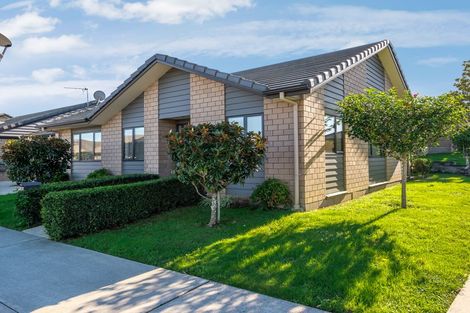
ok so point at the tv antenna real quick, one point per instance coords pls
(83, 89)
(5, 43)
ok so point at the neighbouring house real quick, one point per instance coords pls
(34, 124)
(293, 104)
(444, 146)
(3, 118)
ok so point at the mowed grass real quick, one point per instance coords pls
(8, 218)
(367, 255)
(456, 157)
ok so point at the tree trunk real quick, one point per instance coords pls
(404, 174)
(218, 207)
(214, 210)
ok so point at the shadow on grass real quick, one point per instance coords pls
(334, 266)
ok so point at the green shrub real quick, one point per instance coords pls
(271, 194)
(100, 173)
(28, 202)
(421, 166)
(225, 202)
(77, 212)
(36, 158)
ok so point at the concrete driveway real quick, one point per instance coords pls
(39, 275)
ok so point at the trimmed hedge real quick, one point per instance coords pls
(72, 213)
(28, 202)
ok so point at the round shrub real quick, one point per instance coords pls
(421, 166)
(271, 194)
(99, 173)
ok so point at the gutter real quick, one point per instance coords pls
(295, 107)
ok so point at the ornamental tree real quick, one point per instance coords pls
(403, 125)
(462, 141)
(213, 156)
(36, 158)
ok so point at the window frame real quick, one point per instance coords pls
(133, 144)
(335, 140)
(371, 155)
(79, 133)
(245, 120)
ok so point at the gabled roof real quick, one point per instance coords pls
(33, 123)
(295, 77)
(306, 73)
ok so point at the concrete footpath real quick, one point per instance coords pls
(39, 275)
(461, 303)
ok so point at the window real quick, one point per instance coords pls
(333, 134)
(375, 151)
(133, 144)
(86, 146)
(252, 123)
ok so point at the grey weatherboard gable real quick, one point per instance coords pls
(174, 94)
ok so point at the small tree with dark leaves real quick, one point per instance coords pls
(402, 126)
(213, 156)
(36, 158)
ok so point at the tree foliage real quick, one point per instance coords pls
(402, 125)
(463, 83)
(214, 156)
(36, 158)
(462, 141)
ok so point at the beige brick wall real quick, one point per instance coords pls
(151, 129)
(311, 150)
(356, 152)
(65, 134)
(111, 135)
(207, 100)
(279, 132)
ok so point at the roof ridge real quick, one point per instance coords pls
(347, 64)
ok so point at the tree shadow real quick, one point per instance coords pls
(335, 266)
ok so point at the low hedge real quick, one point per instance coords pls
(28, 202)
(77, 212)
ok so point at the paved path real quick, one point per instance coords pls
(39, 275)
(7, 187)
(461, 303)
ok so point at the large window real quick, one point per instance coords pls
(251, 123)
(133, 144)
(86, 146)
(333, 134)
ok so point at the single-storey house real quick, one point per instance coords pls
(34, 124)
(293, 104)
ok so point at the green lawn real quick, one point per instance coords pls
(456, 157)
(366, 255)
(7, 212)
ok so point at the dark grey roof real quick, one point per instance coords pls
(32, 123)
(305, 73)
(292, 76)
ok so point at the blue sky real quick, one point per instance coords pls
(99, 43)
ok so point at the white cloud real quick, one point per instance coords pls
(47, 75)
(26, 5)
(329, 28)
(438, 61)
(55, 3)
(161, 11)
(27, 23)
(78, 71)
(49, 45)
